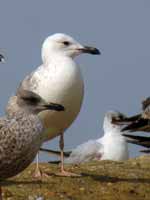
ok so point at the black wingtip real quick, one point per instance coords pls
(145, 151)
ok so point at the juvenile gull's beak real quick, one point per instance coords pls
(54, 106)
(90, 50)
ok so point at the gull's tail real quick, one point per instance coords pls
(56, 153)
(139, 140)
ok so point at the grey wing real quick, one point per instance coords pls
(54, 152)
(29, 83)
(11, 107)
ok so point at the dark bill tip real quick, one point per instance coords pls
(2, 59)
(90, 50)
(55, 106)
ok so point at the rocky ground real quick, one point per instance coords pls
(105, 180)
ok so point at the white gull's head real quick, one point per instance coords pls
(108, 125)
(64, 45)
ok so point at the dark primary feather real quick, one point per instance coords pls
(140, 122)
(53, 152)
(138, 140)
(138, 125)
(126, 120)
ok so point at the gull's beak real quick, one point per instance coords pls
(54, 106)
(90, 50)
(2, 59)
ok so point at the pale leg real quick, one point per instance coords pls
(37, 173)
(63, 172)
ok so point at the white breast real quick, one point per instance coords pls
(115, 148)
(60, 83)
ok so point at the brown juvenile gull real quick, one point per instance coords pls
(59, 79)
(21, 132)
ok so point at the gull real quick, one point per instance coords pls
(21, 132)
(112, 146)
(59, 79)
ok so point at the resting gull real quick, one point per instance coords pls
(112, 146)
(59, 79)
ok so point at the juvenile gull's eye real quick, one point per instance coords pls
(66, 43)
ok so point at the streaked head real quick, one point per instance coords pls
(33, 103)
(63, 44)
(108, 120)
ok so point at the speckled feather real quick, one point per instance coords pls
(20, 139)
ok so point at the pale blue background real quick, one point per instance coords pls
(118, 79)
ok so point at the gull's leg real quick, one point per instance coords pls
(63, 172)
(37, 173)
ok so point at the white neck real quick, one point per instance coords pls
(111, 129)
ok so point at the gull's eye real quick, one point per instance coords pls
(66, 43)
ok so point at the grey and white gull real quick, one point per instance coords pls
(112, 146)
(21, 132)
(59, 79)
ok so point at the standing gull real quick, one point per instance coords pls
(59, 79)
(21, 132)
(112, 146)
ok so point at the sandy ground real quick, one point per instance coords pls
(105, 180)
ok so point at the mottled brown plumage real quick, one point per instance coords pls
(21, 132)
